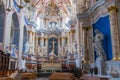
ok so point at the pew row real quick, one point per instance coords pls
(29, 76)
(62, 76)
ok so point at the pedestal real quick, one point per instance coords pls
(101, 66)
(113, 69)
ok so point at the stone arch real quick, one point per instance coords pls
(25, 37)
(15, 30)
(2, 21)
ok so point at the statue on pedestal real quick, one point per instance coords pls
(101, 55)
(98, 45)
(74, 46)
(27, 47)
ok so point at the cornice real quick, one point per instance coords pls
(91, 10)
(100, 9)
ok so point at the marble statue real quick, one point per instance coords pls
(98, 45)
(23, 64)
(101, 55)
(74, 47)
(27, 47)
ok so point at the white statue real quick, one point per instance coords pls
(98, 45)
(27, 47)
(74, 47)
(23, 64)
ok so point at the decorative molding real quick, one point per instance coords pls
(97, 11)
(113, 8)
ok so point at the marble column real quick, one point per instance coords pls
(33, 42)
(46, 45)
(90, 44)
(58, 46)
(36, 40)
(70, 37)
(113, 11)
(42, 45)
(63, 41)
(68, 41)
(86, 54)
(30, 39)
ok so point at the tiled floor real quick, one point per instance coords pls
(42, 79)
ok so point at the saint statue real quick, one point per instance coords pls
(98, 45)
(74, 47)
(27, 47)
(23, 64)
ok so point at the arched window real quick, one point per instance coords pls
(25, 37)
(15, 31)
(2, 20)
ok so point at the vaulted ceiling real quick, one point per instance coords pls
(42, 5)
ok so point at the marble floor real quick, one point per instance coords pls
(46, 78)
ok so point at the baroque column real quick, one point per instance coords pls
(90, 44)
(63, 45)
(30, 39)
(86, 54)
(113, 10)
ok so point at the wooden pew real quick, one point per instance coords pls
(62, 76)
(29, 76)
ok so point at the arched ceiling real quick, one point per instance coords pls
(62, 5)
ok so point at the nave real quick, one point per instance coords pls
(59, 39)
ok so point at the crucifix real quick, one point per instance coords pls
(53, 44)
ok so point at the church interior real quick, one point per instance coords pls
(59, 39)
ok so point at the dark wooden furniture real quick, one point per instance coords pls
(4, 63)
(62, 76)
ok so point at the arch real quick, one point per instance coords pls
(25, 37)
(2, 22)
(15, 30)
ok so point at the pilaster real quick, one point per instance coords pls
(113, 11)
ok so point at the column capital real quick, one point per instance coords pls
(87, 28)
(113, 9)
(73, 31)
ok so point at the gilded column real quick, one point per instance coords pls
(37, 40)
(86, 54)
(113, 10)
(33, 41)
